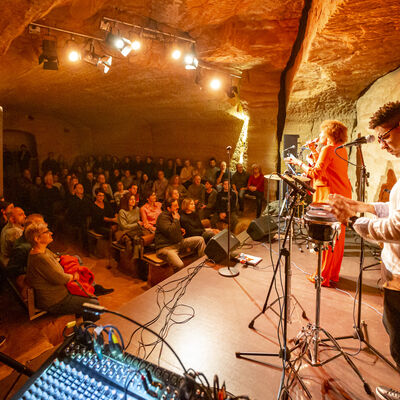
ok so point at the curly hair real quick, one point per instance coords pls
(387, 112)
(335, 130)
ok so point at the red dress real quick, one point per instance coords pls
(330, 176)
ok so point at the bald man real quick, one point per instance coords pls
(12, 231)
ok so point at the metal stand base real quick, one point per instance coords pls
(229, 272)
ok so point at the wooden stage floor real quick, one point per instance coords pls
(221, 309)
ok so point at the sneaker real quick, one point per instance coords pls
(386, 393)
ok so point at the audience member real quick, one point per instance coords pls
(101, 179)
(210, 199)
(127, 179)
(149, 169)
(222, 175)
(211, 171)
(25, 187)
(102, 215)
(255, 186)
(197, 191)
(133, 190)
(137, 164)
(46, 275)
(191, 223)
(120, 193)
(115, 178)
(5, 210)
(239, 183)
(169, 239)
(126, 164)
(175, 183)
(12, 231)
(186, 174)
(145, 186)
(150, 212)
(49, 200)
(169, 169)
(89, 182)
(50, 164)
(199, 170)
(160, 166)
(160, 186)
(178, 166)
(24, 158)
(221, 207)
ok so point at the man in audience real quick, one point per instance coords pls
(169, 169)
(169, 236)
(133, 189)
(211, 171)
(196, 191)
(186, 174)
(89, 182)
(239, 183)
(25, 188)
(221, 207)
(50, 164)
(137, 164)
(210, 199)
(222, 175)
(160, 186)
(127, 179)
(24, 158)
(12, 231)
(101, 179)
(49, 199)
(149, 168)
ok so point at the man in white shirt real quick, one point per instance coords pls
(385, 228)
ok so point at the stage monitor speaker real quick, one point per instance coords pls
(261, 227)
(217, 246)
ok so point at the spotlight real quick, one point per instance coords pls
(176, 54)
(215, 84)
(136, 45)
(116, 41)
(191, 61)
(106, 62)
(49, 56)
(74, 53)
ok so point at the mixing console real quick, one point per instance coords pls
(76, 372)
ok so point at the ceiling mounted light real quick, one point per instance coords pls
(73, 50)
(136, 45)
(176, 54)
(105, 62)
(215, 84)
(49, 56)
(191, 62)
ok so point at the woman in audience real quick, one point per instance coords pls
(150, 212)
(109, 197)
(119, 193)
(255, 186)
(191, 223)
(102, 215)
(46, 275)
(128, 215)
(145, 186)
(175, 183)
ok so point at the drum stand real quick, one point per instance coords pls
(309, 338)
(284, 352)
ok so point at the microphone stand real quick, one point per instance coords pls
(228, 271)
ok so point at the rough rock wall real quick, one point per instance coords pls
(384, 169)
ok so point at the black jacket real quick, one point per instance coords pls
(221, 205)
(168, 230)
(191, 223)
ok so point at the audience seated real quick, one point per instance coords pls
(196, 191)
(115, 178)
(119, 193)
(137, 164)
(89, 182)
(255, 186)
(211, 171)
(186, 174)
(160, 186)
(150, 212)
(239, 183)
(50, 164)
(145, 186)
(102, 215)
(5, 209)
(178, 166)
(199, 170)
(169, 169)
(210, 199)
(221, 207)
(133, 190)
(101, 179)
(25, 187)
(127, 179)
(149, 168)
(12, 231)
(191, 223)
(175, 183)
(49, 200)
(46, 275)
(221, 176)
(169, 238)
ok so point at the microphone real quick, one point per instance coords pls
(228, 148)
(360, 140)
(304, 185)
(290, 147)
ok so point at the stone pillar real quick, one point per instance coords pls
(1, 154)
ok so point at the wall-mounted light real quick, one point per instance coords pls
(49, 56)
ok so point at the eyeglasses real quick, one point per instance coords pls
(382, 138)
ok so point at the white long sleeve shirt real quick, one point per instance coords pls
(386, 229)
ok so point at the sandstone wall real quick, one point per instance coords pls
(383, 167)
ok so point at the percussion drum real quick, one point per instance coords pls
(321, 224)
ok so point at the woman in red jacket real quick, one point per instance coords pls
(255, 186)
(329, 176)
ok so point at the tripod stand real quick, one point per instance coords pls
(284, 352)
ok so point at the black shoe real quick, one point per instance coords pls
(100, 290)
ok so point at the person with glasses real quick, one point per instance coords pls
(385, 228)
(329, 175)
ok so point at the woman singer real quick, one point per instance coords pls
(329, 175)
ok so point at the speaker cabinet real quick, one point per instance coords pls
(217, 246)
(261, 227)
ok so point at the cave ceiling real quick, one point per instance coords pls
(347, 45)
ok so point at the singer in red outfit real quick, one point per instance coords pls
(329, 176)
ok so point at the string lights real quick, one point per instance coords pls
(127, 39)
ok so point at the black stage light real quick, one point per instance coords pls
(49, 56)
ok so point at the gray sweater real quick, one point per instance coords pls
(128, 220)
